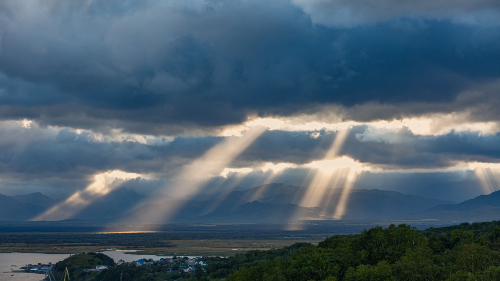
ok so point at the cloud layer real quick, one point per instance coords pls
(148, 87)
(172, 67)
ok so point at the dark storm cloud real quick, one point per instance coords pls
(158, 67)
(406, 150)
(66, 154)
(395, 149)
(356, 12)
(468, 146)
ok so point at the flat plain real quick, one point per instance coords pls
(171, 240)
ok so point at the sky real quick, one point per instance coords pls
(189, 98)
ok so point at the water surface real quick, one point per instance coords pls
(7, 260)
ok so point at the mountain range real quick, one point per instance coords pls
(481, 208)
(280, 202)
(267, 203)
(14, 210)
(115, 203)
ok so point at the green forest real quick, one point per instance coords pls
(461, 252)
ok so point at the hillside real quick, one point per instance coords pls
(13, 210)
(76, 263)
(113, 204)
(36, 198)
(481, 208)
(381, 204)
(492, 199)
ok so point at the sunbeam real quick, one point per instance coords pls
(321, 172)
(337, 144)
(231, 178)
(273, 171)
(344, 196)
(328, 177)
(103, 184)
(190, 181)
(489, 178)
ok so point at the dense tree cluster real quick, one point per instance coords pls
(464, 252)
(76, 264)
(395, 253)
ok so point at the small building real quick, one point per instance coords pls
(202, 263)
(140, 263)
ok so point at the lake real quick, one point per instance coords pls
(7, 260)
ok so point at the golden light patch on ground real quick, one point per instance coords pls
(128, 232)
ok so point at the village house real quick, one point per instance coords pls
(202, 263)
(189, 269)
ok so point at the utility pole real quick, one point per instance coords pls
(49, 275)
(66, 275)
(121, 277)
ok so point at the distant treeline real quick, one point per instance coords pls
(192, 230)
(463, 252)
(132, 240)
(479, 229)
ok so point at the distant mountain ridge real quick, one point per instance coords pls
(13, 210)
(267, 203)
(492, 199)
(36, 198)
(262, 212)
(381, 204)
(113, 204)
(283, 202)
(481, 208)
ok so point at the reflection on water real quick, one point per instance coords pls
(7, 260)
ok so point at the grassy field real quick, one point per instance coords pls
(216, 247)
(149, 243)
(47, 249)
(175, 239)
